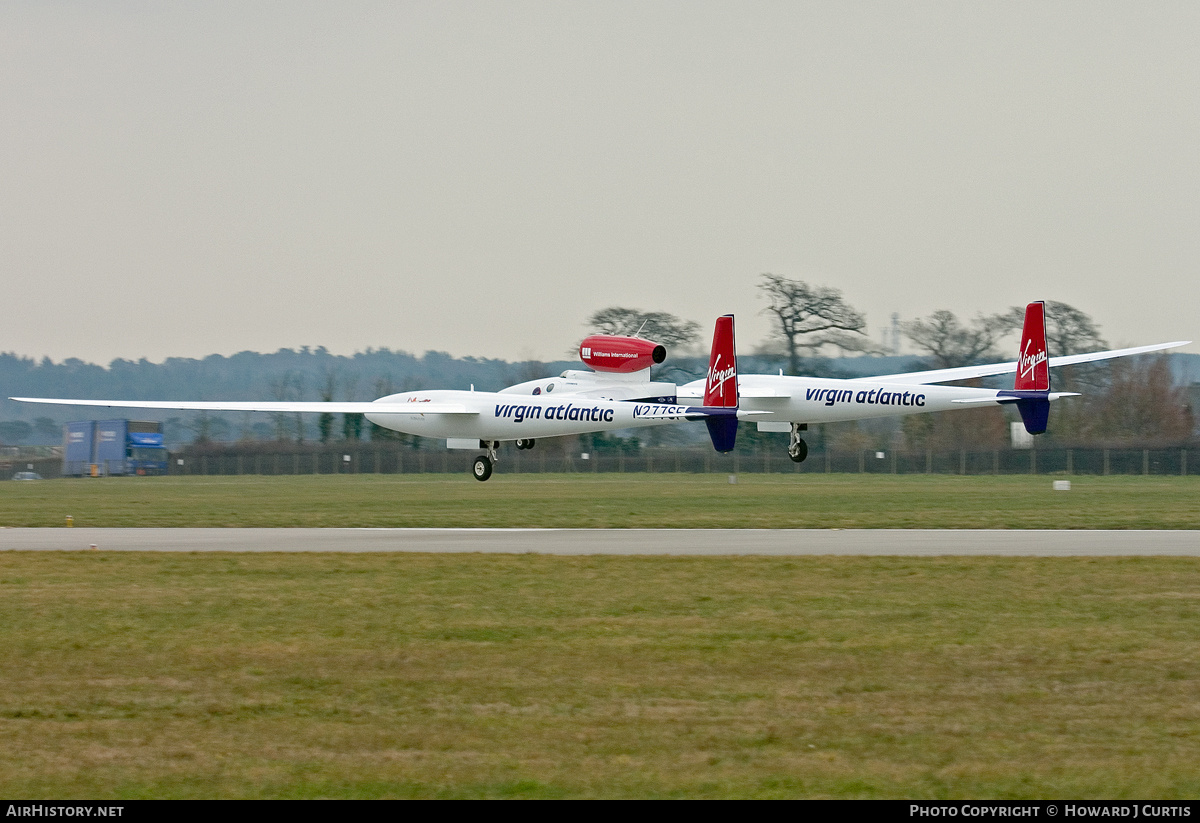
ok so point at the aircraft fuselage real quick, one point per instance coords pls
(493, 416)
(825, 400)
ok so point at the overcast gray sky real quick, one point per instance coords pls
(181, 179)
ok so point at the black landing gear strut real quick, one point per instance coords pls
(797, 448)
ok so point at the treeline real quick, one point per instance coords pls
(815, 331)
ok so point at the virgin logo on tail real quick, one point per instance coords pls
(1027, 362)
(1033, 366)
(717, 377)
(722, 367)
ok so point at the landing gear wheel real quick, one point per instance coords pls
(798, 451)
(797, 448)
(525, 444)
(482, 468)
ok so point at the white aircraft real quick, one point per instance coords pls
(796, 402)
(474, 420)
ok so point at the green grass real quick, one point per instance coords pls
(610, 501)
(305, 675)
(308, 675)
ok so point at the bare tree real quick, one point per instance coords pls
(246, 429)
(279, 391)
(653, 325)
(207, 427)
(288, 387)
(950, 344)
(1141, 405)
(528, 370)
(1068, 330)
(1071, 331)
(973, 429)
(809, 317)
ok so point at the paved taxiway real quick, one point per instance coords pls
(778, 542)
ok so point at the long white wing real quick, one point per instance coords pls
(261, 406)
(969, 372)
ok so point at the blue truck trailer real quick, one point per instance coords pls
(95, 448)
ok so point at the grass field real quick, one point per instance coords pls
(610, 501)
(135, 675)
(402, 675)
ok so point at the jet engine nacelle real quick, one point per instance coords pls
(609, 353)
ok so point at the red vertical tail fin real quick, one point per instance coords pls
(1033, 370)
(721, 386)
(1033, 362)
(721, 389)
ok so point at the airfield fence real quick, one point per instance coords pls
(391, 460)
(383, 460)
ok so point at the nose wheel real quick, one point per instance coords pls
(797, 448)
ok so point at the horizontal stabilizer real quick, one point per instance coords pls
(685, 393)
(1001, 399)
(764, 394)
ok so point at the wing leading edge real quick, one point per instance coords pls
(335, 407)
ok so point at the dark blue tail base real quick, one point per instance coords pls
(1034, 407)
(1035, 414)
(723, 431)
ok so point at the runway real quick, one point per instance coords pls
(694, 542)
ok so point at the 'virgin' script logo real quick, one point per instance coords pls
(1027, 362)
(717, 377)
